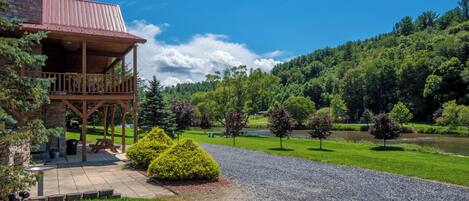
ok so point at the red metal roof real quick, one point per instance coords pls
(84, 17)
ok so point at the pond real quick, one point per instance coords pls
(447, 143)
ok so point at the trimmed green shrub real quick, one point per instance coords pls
(185, 160)
(149, 147)
(157, 134)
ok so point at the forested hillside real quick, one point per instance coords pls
(422, 63)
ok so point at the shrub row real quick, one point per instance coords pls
(149, 147)
(185, 160)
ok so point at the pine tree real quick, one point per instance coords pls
(19, 95)
(464, 5)
(152, 108)
(405, 26)
(168, 123)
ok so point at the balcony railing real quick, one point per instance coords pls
(96, 84)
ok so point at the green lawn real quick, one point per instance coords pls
(257, 122)
(434, 129)
(410, 160)
(97, 132)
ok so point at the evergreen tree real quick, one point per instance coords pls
(152, 109)
(19, 95)
(426, 20)
(168, 122)
(405, 26)
(464, 6)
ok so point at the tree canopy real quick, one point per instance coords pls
(422, 62)
(20, 95)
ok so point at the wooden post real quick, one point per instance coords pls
(113, 115)
(135, 102)
(123, 128)
(113, 78)
(105, 121)
(83, 66)
(85, 104)
(122, 88)
(84, 130)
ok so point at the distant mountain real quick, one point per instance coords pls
(422, 62)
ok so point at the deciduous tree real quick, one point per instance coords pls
(234, 124)
(280, 123)
(401, 113)
(300, 108)
(184, 113)
(385, 128)
(320, 126)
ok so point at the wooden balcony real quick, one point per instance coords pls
(98, 86)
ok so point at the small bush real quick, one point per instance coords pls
(408, 129)
(186, 160)
(158, 134)
(149, 147)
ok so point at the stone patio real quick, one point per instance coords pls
(102, 171)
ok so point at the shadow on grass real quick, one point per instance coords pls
(317, 149)
(387, 148)
(254, 136)
(279, 149)
(99, 132)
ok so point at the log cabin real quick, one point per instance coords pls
(87, 45)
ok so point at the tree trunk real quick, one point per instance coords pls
(281, 143)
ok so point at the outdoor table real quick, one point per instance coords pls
(104, 144)
(40, 170)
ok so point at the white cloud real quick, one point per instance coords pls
(170, 81)
(191, 61)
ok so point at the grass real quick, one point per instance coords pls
(97, 133)
(409, 160)
(349, 127)
(434, 129)
(257, 122)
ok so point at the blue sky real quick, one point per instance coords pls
(270, 30)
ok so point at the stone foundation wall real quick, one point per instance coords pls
(15, 154)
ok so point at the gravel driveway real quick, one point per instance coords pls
(268, 177)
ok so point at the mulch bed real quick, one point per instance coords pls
(184, 187)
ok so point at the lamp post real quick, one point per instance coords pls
(40, 171)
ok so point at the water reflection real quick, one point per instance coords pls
(446, 143)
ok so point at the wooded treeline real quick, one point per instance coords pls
(422, 63)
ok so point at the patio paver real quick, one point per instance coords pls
(105, 170)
